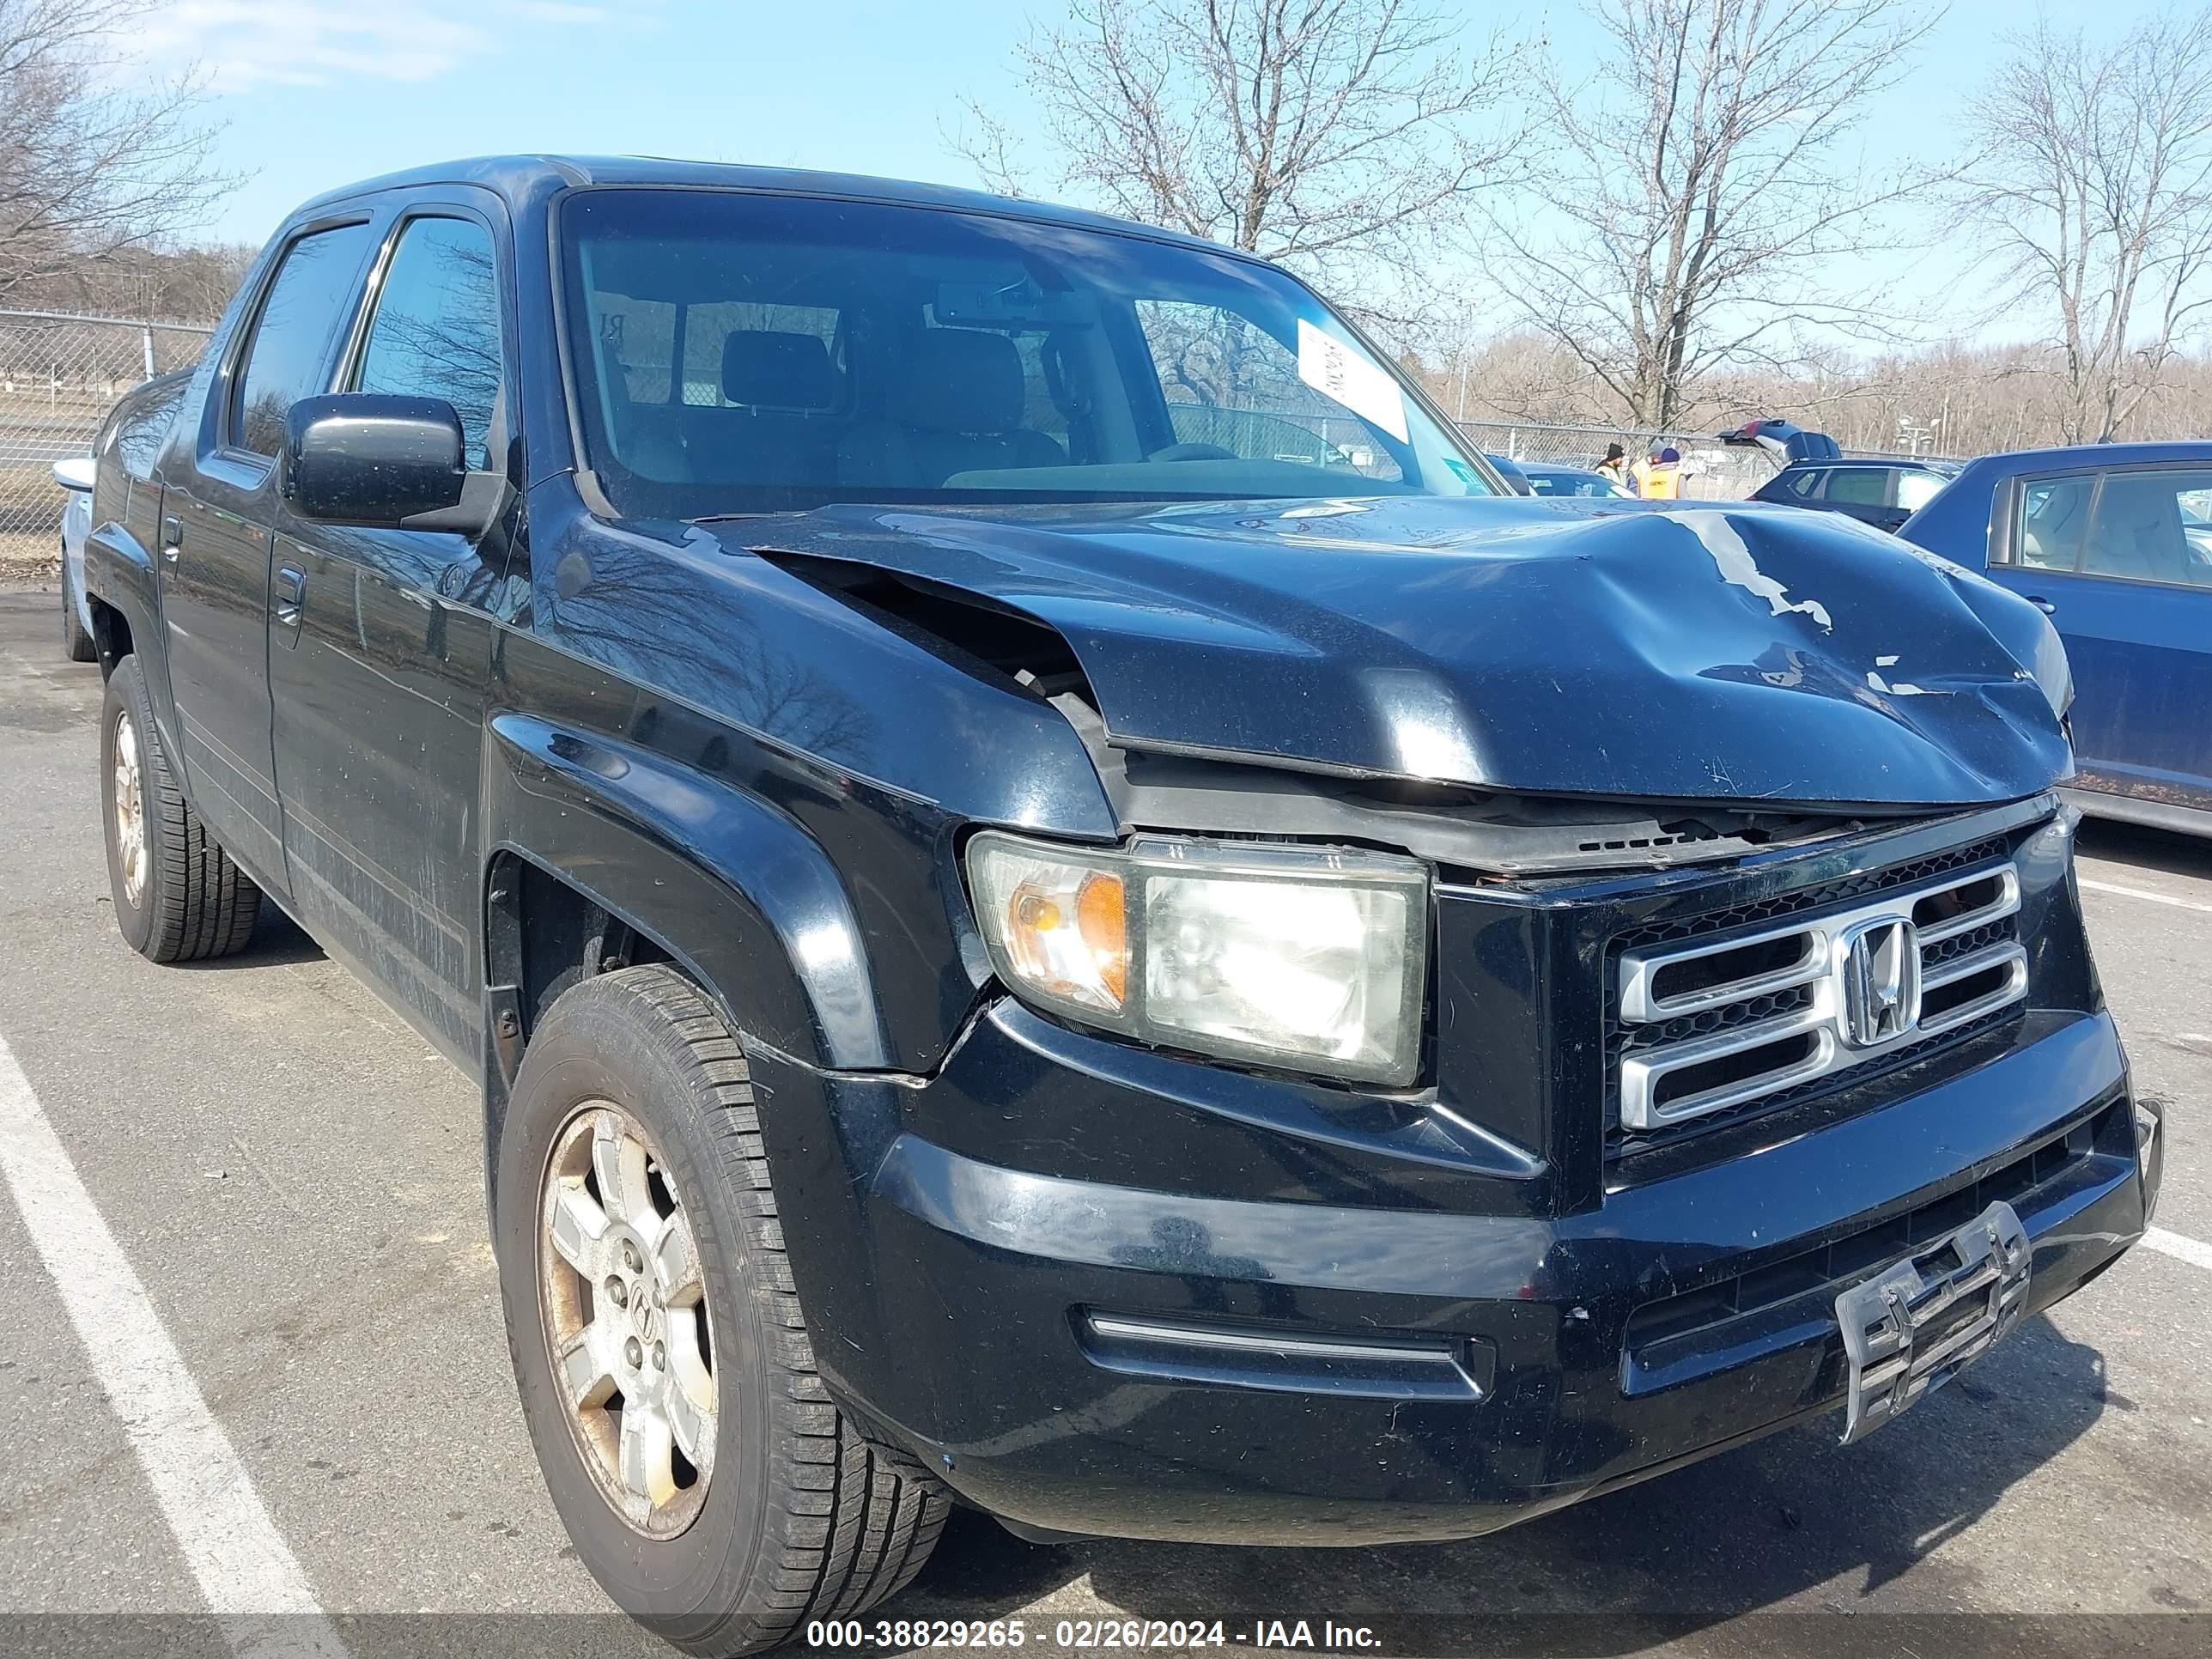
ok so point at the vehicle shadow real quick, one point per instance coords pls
(277, 942)
(2152, 851)
(1792, 1521)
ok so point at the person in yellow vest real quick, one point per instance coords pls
(1660, 478)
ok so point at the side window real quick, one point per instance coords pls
(1859, 486)
(1807, 483)
(1916, 489)
(436, 329)
(2052, 512)
(292, 335)
(2150, 527)
(1231, 385)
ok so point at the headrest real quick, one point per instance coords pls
(779, 371)
(959, 379)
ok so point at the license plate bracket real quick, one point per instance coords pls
(1917, 1324)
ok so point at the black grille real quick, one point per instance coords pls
(1722, 1018)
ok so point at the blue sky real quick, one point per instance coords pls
(316, 93)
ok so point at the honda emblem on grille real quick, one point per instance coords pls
(1879, 963)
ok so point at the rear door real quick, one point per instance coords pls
(214, 534)
(381, 647)
(2121, 558)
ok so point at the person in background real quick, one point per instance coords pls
(1615, 463)
(1660, 478)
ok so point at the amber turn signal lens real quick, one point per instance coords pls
(1102, 917)
(1066, 933)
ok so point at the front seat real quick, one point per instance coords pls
(953, 403)
(784, 386)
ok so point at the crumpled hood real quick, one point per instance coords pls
(1539, 646)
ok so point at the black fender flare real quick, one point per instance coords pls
(118, 572)
(662, 848)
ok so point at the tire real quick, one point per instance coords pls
(188, 902)
(76, 644)
(794, 1516)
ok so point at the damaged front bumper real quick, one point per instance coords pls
(1105, 1290)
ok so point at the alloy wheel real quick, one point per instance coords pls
(130, 810)
(623, 1304)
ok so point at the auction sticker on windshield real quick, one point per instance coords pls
(1337, 371)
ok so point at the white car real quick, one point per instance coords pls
(75, 476)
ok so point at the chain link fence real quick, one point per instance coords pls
(60, 375)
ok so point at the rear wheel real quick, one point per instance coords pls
(177, 896)
(707, 1480)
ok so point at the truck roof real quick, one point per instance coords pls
(522, 178)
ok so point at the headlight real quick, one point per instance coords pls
(1311, 960)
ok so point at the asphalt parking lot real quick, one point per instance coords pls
(294, 1179)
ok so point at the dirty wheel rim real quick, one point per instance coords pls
(624, 1308)
(129, 811)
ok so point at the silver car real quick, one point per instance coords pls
(75, 477)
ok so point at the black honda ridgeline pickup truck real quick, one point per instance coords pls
(1060, 903)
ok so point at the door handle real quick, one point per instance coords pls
(2042, 604)
(291, 600)
(172, 538)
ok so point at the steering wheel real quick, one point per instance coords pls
(1192, 453)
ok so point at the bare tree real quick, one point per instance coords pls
(1309, 131)
(1693, 194)
(90, 168)
(2094, 188)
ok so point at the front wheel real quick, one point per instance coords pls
(707, 1480)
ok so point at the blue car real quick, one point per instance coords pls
(2114, 543)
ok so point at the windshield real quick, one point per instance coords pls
(737, 353)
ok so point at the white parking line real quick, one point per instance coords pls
(2195, 1252)
(2144, 893)
(250, 1577)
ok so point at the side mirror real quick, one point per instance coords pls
(75, 473)
(384, 462)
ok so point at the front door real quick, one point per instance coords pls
(213, 540)
(2121, 561)
(381, 651)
